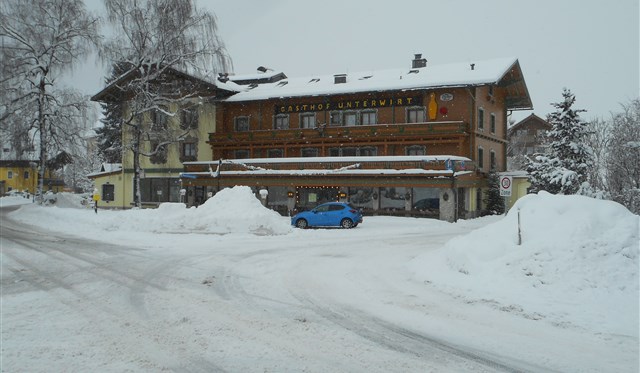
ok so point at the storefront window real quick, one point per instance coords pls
(277, 199)
(160, 189)
(361, 197)
(426, 200)
(393, 198)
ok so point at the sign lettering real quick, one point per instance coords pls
(349, 104)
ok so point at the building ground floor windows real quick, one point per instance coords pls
(441, 187)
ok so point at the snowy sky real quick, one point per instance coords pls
(588, 46)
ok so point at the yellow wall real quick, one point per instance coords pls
(119, 195)
(206, 124)
(18, 181)
(518, 190)
(173, 167)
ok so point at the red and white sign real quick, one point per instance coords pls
(505, 186)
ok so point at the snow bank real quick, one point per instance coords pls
(14, 200)
(234, 210)
(578, 258)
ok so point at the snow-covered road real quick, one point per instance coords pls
(73, 304)
(307, 301)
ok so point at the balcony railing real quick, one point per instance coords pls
(330, 132)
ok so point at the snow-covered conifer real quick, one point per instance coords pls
(566, 168)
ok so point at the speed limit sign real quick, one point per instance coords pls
(505, 186)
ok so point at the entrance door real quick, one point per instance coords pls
(310, 197)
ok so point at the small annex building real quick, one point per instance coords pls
(415, 141)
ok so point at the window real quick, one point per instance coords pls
(108, 192)
(189, 118)
(369, 117)
(159, 119)
(368, 151)
(480, 158)
(241, 124)
(188, 151)
(275, 153)
(160, 189)
(307, 120)
(309, 152)
(9, 174)
(26, 175)
(350, 118)
(241, 154)
(335, 118)
(349, 152)
(416, 150)
(159, 152)
(492, 124)
(281, 122)
(480, 119)
(492, 160)
(415, 115)
(353, 151)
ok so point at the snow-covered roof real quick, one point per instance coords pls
(449, 75)
(353, 169)
(106, 168)
(389, 158)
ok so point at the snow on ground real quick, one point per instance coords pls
(577, 263)
(234, 210)
(574, 273)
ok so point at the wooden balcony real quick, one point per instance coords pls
(380, 133)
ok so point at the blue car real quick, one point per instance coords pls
(331, 214)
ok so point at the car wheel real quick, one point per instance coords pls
(302, 224)
(346, 223)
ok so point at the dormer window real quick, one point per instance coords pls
(340, 78)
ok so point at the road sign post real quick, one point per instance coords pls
(505, 185)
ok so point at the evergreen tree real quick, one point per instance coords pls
(494, 202)
(110, 134)
(566, 168)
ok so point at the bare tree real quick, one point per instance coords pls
(599, 140)
(623, 158)
(156, 39)
(40, 40)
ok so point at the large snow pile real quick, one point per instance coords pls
(578, 261)
(234, 210)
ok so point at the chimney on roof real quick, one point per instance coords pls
(418, 61)
(340, 78)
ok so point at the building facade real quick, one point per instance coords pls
(526, 138)
(175, 131)
(355, 130)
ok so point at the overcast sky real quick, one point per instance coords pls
(589, 46)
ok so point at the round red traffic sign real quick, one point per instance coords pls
(505, 182)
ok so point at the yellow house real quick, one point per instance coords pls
(22, 175)
(19, 175)
(191, 119)
(110, 184)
